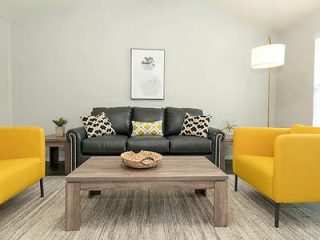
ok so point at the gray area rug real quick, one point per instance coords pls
(153, 214)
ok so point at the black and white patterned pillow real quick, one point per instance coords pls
(195, 125)
(99, 125)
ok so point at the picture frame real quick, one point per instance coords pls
(147, 74)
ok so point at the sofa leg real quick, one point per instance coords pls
(41, 188)
(276, 215)
(235, 183)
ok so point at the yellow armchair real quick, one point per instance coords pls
(22, 160)
(281, 163)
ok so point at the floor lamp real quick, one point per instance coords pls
(267, 57)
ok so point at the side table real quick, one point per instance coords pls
(225, 142)
(54, 142)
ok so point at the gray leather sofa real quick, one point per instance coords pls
(171, 143)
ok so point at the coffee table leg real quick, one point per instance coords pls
(72, 210)
(201, 191)
(221, 204)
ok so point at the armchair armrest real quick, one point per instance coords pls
(297, 168)
(255, 141)
(23, 142)
(75, 137)
(216, 136)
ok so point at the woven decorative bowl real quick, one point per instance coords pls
(142, 159)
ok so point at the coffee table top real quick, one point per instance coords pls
(171, 168)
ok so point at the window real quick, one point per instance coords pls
(316, 93)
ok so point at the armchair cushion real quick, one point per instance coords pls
(111, 144)
(257, 171)
(148, 143)
(18, 174)
(189, 145)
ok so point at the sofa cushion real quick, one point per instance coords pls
(112, 144)
(147, 128)
(175, 117)
(195, 126)
(148, 143)
(189, 145)
(99, 125)
(147, 114)
(120, 118)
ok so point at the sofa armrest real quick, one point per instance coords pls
(214, 132)
(216, 136)
(296, 168)
(75, 137)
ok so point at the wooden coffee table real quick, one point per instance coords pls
(99, 173)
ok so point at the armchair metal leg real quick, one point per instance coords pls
(41, 188)
(235, 183)
(276, 215)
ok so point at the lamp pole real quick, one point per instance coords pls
(269, 87)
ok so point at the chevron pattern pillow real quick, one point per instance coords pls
(147, 128)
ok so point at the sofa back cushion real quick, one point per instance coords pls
(301, 129)
(120, 118)
(148, 115)
(175, 117)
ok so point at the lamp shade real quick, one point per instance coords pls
(268, 56)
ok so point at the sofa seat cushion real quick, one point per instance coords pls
(111, 144)
(148, 143)
(257, 171)
(18, 174)
(189, 145)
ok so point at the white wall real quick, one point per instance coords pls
(5, 84)
(68, 60)
(295, 79)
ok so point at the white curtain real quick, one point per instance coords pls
(316, 94)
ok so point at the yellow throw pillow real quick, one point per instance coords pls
(147, 128)
(301, 129)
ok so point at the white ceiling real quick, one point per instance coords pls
(11, 9)
(274, 14)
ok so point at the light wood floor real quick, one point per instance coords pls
(162, 214)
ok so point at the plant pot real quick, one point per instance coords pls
(60, 131)
(228, 136)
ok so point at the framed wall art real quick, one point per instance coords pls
(147, 73)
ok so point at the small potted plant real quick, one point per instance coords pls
(60, 126)
(228, 129)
